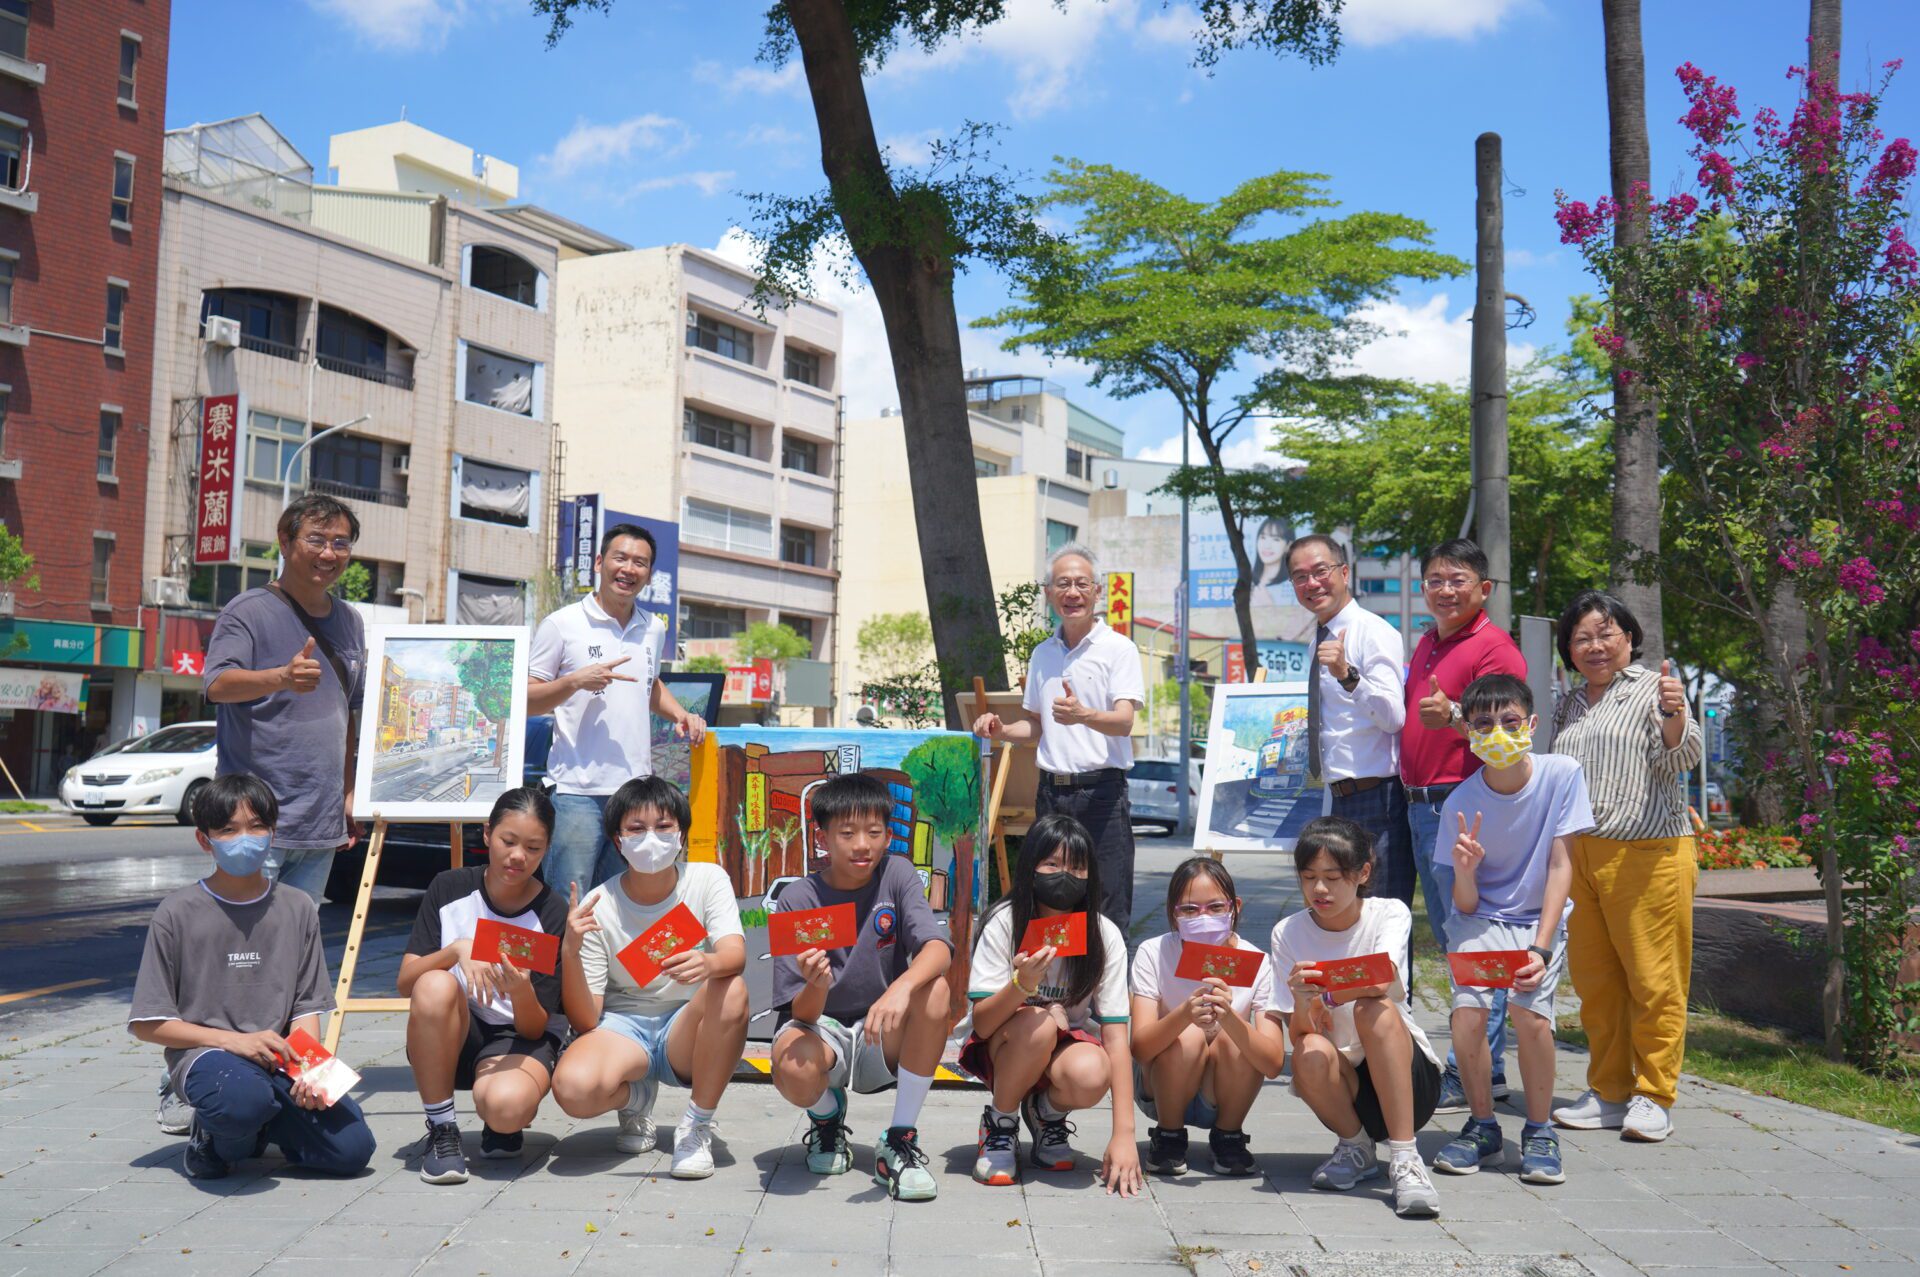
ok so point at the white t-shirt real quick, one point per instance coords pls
(1385, 926)
(1157, 960)
(1360, 730)
(993, 969)
(1104, 670)
(706, 892)
(601, 739)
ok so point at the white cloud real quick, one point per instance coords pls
(1424, 342)
(777, 135)
(588, 145)
(708, 182)
(750, 79)
(403, 25)
(1247, 446)
(1375, 22)
(911, 148)
(1176, 24)
(1048, 46)
(1522, 258)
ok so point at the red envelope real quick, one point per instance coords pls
(495, 941)
(1218, 962)
(1067, 933)
(311, 1053)
(330, 1075)
(795, 931)
(1493, 969)
(676, 932)
(1354, 973)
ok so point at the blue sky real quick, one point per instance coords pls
(652, 123)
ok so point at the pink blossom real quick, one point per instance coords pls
(1678, 209)
(1885, 780)
(1747, 359)
(1838, 759)
(1608, 340)
(1712, 106)
(1578, 223)
(1891, 170)
(1809, 822)
(1899, 264)
(1717, 175)
(1859, 577)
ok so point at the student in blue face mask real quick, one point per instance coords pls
(232, 966)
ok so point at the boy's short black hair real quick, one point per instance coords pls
(1491, 693)
(645, 791)
(619, 530)
(220, 797)
(1466, 553)
(851, 794)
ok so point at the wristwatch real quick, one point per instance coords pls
(1546, 955)
(1326, 999)
(1454, 715)
(1351, 681)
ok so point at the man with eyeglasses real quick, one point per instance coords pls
(595, 666)
(1461, 645)
(1083, 688)
(1355, 709)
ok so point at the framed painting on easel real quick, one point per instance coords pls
(1254, 791)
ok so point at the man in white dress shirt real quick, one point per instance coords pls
(1356, 706)
(1083, 688)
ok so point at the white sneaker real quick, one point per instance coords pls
(1646, 1121)
(1590, 1113)
(1352, 1161)
(1414, 1196)
(637, 1130)
(692, 1149)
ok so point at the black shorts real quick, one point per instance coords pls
(1426, 1096)
(485, 1040)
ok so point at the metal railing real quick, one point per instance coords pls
(366, 372)
(278, 349)
(353, 492)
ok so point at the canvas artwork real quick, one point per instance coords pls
(443, 730)
(1254, 794)
(697, 694)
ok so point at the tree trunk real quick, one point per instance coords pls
(1636, 418)
(914, 285)
(1242, 565)
(1823, 40)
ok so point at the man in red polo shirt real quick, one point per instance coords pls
(1463, 644)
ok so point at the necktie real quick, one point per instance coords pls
(1314, 717)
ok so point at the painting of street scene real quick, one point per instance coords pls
(1253, 793)
(441, 735)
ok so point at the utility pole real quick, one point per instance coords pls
(1489, 379)
(1183, 666)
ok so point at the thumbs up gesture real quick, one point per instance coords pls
(302, 673)
(1436, 711)
(1067, 707)
(1673, 697)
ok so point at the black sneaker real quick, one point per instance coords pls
(1167, 1151)
(442, 1161)
(1230, 1155)
(200, 1161)
(497, 1144)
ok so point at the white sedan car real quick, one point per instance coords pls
(157, 774)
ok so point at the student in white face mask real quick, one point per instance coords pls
(687, 1023)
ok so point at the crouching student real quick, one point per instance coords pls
(1201, 1048)
(1359, 1061)
(1511, 825)
(233, 964)
(687, 1024)
(1050, 1033)
(870, 1016)
(492, 1028)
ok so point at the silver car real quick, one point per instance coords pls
(1156, 800)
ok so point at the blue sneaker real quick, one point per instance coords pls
(1453, 1095)
(1477, 1142)
(1540, 1156)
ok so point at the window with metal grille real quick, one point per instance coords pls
(708, 333)
(798, 545)
(803, 366)
(714, 431)
(800, 454)
(725, 528)
(705, 621)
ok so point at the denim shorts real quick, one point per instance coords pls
(649, 1032)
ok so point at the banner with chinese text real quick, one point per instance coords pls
(217, 494)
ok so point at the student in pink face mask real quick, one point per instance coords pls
(1201, 1048)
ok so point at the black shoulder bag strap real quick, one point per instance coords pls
(326, 647)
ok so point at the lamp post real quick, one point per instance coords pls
(286, 474)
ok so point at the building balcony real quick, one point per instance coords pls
(366, 372)
(34, 73)
(806, 499)
(353, 492)
(712, 475)
(814, 411)
(278, 349)
(729, 387)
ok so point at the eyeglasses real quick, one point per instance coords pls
(1211, 909)
(1080, 583)
(1454, 583)
(1314, 576)
(1598, 638)
(315, 542)
(1486, 723)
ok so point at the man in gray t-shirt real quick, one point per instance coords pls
(283, 711)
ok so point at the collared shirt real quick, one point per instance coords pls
(1439, 756)
(601, 739)
(1360, 730)
(1633, 779)
(1104, 670)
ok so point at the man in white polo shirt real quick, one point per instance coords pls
(1083, 688)
(595, 667)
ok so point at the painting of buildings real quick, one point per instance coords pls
(444, 738)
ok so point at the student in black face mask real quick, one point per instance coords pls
(1050, 1033)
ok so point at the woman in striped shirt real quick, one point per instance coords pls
(1630, 933)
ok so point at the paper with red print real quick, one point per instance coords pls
(1493, 969)
(1067, 933)
(677, 932)
(1362, 972)
(496, 941)
(324, 1070)
(828, 927)
(1237, 967)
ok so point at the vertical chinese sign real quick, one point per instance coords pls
(1120, 603)
(216, 517)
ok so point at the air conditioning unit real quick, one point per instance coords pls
(402, 462)
(6, 602)
(221, 331)
(166, 591)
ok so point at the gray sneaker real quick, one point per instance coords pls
(1414, 1196)
(637, 1133)
(1646, 1121)
(1352, 1161)
(176, 1115)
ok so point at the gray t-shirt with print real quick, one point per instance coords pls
(294, 741)
(895, 922)
(244, 967)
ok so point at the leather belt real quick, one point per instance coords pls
(1357, 785)
(1430, 794)
(1079, 780)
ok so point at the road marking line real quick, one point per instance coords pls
(30, 825)
(52, 988)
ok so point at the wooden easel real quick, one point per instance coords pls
(343, 999)
(1001, 766)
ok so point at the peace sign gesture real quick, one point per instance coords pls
(1467, 851)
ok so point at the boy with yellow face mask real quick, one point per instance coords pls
(1512, 824)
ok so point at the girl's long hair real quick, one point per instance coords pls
(1082, 974)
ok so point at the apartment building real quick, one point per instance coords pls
(389, 347)
(1038, 459)
(683, 402)
(83, 89)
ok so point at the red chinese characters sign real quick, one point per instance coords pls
(216, 509)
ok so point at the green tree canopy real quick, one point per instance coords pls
(773, 641)
(486, 671)
(946, 784)
(893, 644)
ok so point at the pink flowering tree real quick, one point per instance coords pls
(1773, 310)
